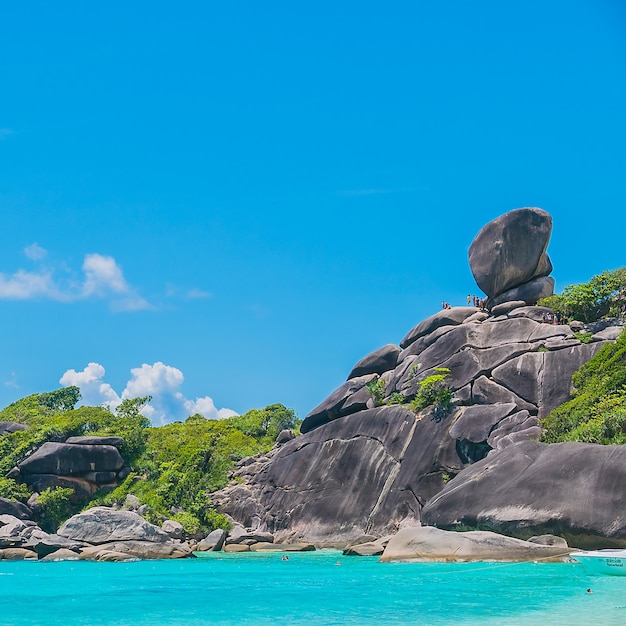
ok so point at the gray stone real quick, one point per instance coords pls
(535, 313)
(62, 554)
(101, 525)
(476, 422)
(137, 549)
(485, 391)
(529, 293)
(284, 436)
(213, 541)
(446, 317)
(572, 490)
(12, 507)
(377, 362)
(83, 489)
(423, 543)
(6, 428)
(96, 441)
(66, 459)
(511, 250)
(544, 378)
(332, 407)
(44, 543)
(17, 554)
(173, 528)
(507, 306)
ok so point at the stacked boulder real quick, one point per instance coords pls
(367, 464)
(508, 257)
(84, 464)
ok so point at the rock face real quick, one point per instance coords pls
(84, 464)
(113, 533)
(574, 490)
(362, 469)
(510, 251)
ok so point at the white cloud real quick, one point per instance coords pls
(25, 285)
(102, 275)
(195, 294)
(102, 278)
(5, 132)
(158, 380)
(93, 389)
(35, 252)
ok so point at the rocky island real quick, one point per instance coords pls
(438, 433)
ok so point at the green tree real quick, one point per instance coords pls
(603, 295)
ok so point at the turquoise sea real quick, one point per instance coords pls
(309, 588)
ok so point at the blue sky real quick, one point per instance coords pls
(227, 205)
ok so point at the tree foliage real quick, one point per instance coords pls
(604, 295)
(597, 411)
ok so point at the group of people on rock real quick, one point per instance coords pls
(555, 318)
(476, 302)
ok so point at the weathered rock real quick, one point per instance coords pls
(173, 528)
(213, 541)
(371, 548)
(83, 489)
(535, 313)
(544, 378)
(485, 391)
(549, 540)
(236, 547)
(11, 507)
(423, 543)
(377, 362)
(44, 543)
(529, 293)
(476, 422)
(572, 490)
(284, 436)
(62, 554)
(507, 307)
(138, 549)
(7, 428)
(511, 250)
(446, 317)
(282, 547)
(66, 459)
(96, 441)
(365, 473)
(17, 554)
(101, 524)
(332, 407)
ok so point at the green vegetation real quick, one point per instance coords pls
(597, 411)
(175, 468)
(54, 505)
(603, 296)
(185, 462)
(376, 389)
(434, 392)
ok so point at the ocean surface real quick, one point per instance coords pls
(309, 589)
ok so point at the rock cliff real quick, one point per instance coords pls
(367, 463)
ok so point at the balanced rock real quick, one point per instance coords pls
(511, 251)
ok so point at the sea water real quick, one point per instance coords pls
(305, 589)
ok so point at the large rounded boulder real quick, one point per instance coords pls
(511, 250)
